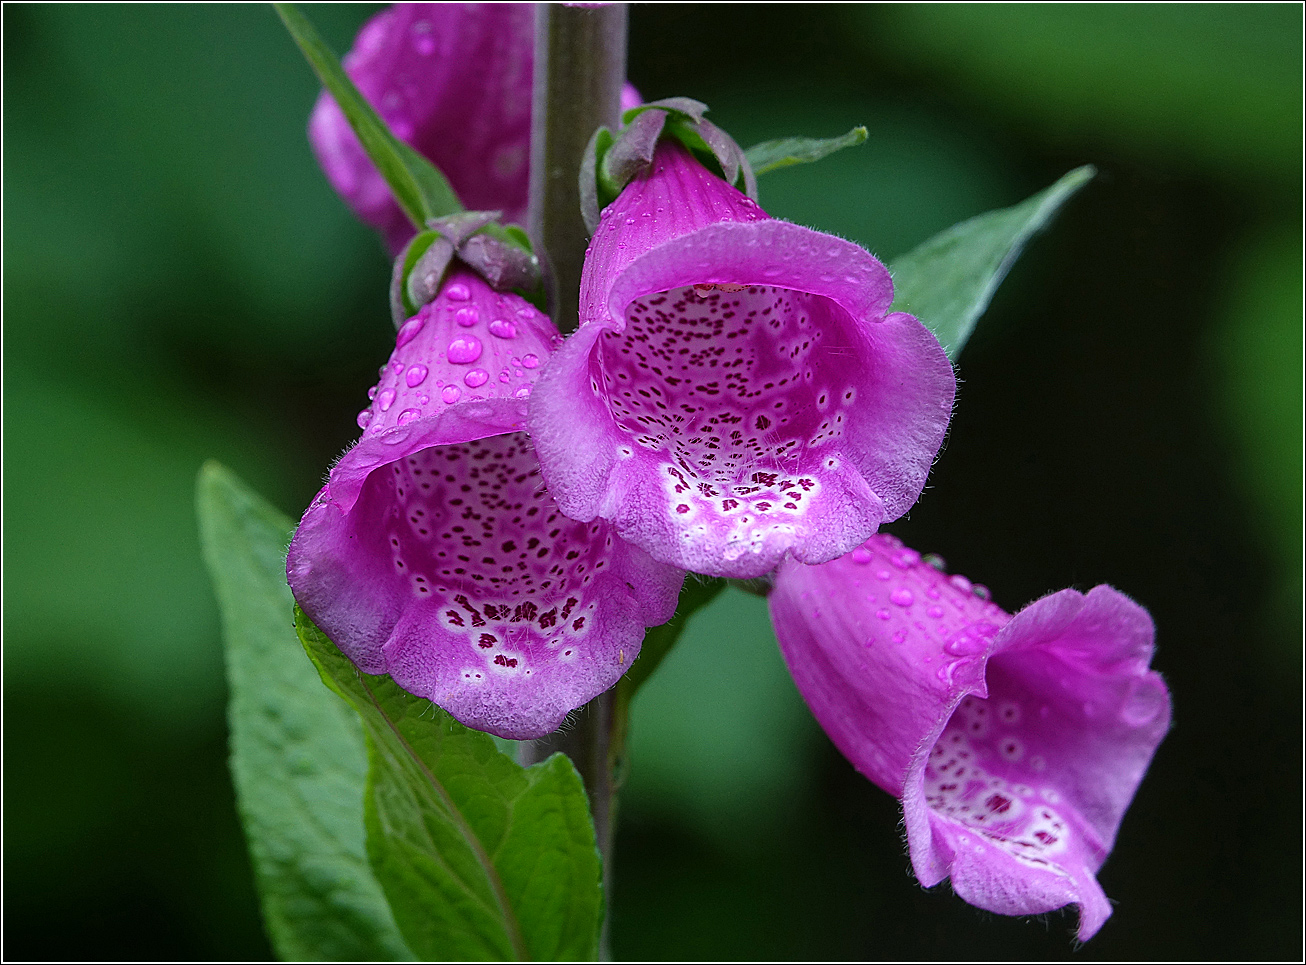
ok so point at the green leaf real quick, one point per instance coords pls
(480, 857)
(787, 151)
(948, 281)
(297, 755)
(417, 185)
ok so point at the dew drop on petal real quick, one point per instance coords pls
(364, 418)
(467, 317)
(861, 555)
(407, 416)
(415, 375)
(883, 613)
(476, 378)
(457, 292)
(451, 394)
(902, 597)
(530, 361)
(386, 399)
(464, 349)
(409, 331)
(522, 393)
(503, 328)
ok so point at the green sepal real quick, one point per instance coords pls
(419, 188)
(402, 305)
(479, 857)
(298, 761)
(948, 281)
(787, 151)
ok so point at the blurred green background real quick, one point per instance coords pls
(181, 283)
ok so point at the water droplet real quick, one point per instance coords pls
(386, 399)
(900, 636)
(883, 575)
(409, 331)
(530, 361)
(457, 292)
(415, 375)
(476, 378)
(522, 393)
(1144, 703)
(883, 613)
(934, 560)
(964, 643)
(906, 559)
(371, 393)
(981, 591)
(935, 612)
(423, 42)
(502, 328)
(960, 582)
(464, 349)
(861, 555)
(364, 418)
(395, 437)
(902, 597)
(407, 416)
(467, 317)
(451, 394)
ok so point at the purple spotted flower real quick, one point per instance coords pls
(1014, 742)
(453, 80)
(738, 388)
(434, 553)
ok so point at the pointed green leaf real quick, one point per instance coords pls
(480, 857)
(949, 280)
(297, 754)
(417, 185)
(786, 151)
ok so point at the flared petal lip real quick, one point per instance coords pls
(765, 252)
(1044, 620)
(458, 423)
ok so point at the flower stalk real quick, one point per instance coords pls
(579, 71)
(580, 67)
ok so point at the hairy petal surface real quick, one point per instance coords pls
(435, 554)
(1014, 743)
(737, 389)
(453, 80)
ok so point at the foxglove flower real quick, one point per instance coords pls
(434, 554)
(453, 80)
(1014, 742)
(737, 389)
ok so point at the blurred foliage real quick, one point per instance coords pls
(181, 283)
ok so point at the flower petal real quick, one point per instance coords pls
(736, 390)
(454, 81)
(435, 554)
(1015, 743)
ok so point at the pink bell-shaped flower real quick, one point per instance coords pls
(1014, 742)
(453, 80)
(435, 554)
(738, 389)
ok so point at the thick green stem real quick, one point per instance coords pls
(580, 66)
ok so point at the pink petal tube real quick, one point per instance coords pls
(738, 389)
(434, 553)
(453, 80)
(1014, 742)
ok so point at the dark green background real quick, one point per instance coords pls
(180, 282)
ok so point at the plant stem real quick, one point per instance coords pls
(580, 66)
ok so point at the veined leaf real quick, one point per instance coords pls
(480, 857)
(297, 754)
(948, 281)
